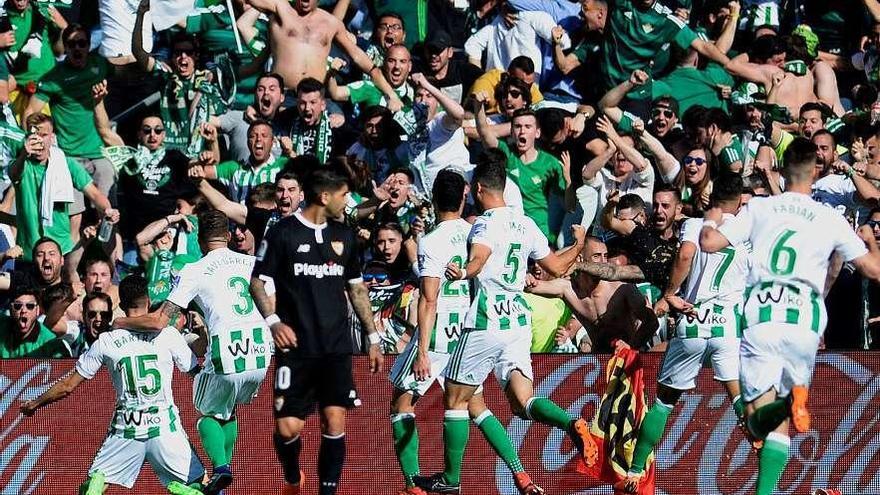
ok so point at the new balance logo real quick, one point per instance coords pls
(303, 248)
(318, 271)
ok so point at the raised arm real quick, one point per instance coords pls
(638, 160)
(247, 24)
(873, 7)
(666, 161)
(740, 67)
(610, 102)
(453, 109)
(543, 24)
(477, 43)
(265, 6)
(144, 59)
(565, 63)
(610, 271)
(558, 263)
(728, 32)
(710, 51)
(102, 120)
(57, 392)
(365, 63)
(236, 212)
(487, 135)
(151, 322)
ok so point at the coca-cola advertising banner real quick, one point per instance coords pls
(702, 452)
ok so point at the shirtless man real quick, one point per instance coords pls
(794, 80)
(609, 309)
(300, 36)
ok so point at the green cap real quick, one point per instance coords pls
(806, 32)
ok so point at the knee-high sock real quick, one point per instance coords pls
(288, 456)
(497, 437)
(767, 417)
(213, 440)
(456, 429)
(650, 434)
(545, 411)
(739, 406)
(331, 457)
(771, 462)
(406, 444)
(230, 432)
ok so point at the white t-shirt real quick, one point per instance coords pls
(838, 192)
(238, 339)
(641, 183)
(446, 244)
(446, 148)
(717, 276)
(503, 44)
(141, 368)
(513, 239)
(792, 239)
(117, 25)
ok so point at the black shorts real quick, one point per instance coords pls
(301, 382)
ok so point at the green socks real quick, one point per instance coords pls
(771, 462)
(767, 417)
(94, 485)
(406, 444)
(650, 433)
(739, 407)
(544, 411)
(497, 437)
(230, 431)
(218, 439)
(456, 427)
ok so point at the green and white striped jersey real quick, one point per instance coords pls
(513, 238)
(141, 367)
(447, 243)
(240, 179)
(238, 339)
(717, 277)
(792, 238)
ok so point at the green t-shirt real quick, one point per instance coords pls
(414, 14)
(69, 92)
(691, 86)
(28, 68)
(535, 181)
(42, 343)
(636, 37)
(732, 153)
(27, 203)
(367, 94)
(548, 314)
(240, 179)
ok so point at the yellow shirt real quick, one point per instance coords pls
(489, 81)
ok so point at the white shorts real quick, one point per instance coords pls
(170, 454)
(685, 356)
(776, 355)
(401, 374)
(481, 352)
(217, 395)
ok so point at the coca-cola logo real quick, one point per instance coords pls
(703, 451)
(21, 452)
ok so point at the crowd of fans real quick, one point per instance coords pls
(120, 125)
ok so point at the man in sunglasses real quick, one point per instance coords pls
(152, 180)
(453, 77)
(22, 335)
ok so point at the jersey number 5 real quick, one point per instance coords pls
(512, 263)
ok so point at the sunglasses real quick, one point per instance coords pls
(378, 277)
(694, 159)
(16, 306)
(80, 43)
(147, 130)
(872, 223)
(664, 111)
(514, 93)
(189, 52)
(105, 315)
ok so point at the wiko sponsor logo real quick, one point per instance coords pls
(22, 448)
(702, 438)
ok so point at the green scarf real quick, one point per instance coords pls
(796, 67)
(184, 105)
(302, 136)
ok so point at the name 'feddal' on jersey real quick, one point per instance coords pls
(238, 339)
(513, 238)
(715, 286)
(793, 238)
(141, 368)
(446, 244)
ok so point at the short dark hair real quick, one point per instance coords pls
(74, 28)
(816, 106)
(669, 188)
(511, 82)
(405, 171)
(728, 186)
(824, 132)
(94, 260)
(257, 123)
(490, 172)
(551, 121)
(522, 63)
(44, 240)
(310, 85)
(523, 112)
(183, 37)
(264, 192)
(213, 224)
(273, 75)
(799, 159)
(764, 47)
(395, 15)
(320, 181)
(54, 293)
(719, 118)
(38, 118)
(287, 175)
(132, 288)
(632, 201)
(91, 296)
(448, 190)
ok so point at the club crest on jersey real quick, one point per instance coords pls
(338, 247)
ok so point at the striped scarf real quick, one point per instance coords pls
(314, 140)
(185, 104)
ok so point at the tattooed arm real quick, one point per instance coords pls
(609, 271)
(360, 301)
(151, 322)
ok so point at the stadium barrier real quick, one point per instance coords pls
(702, 452)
